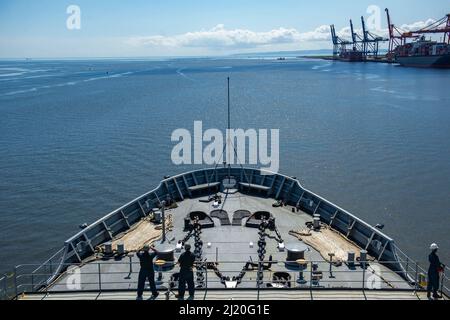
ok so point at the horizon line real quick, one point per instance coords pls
(162, 57)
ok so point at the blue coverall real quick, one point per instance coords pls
(433, 274)
(146, 272)
(186, 262)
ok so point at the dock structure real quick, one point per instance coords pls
(360, 48)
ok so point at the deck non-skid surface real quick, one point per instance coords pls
(231, 247)
(243, 295)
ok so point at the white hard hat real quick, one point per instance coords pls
(434, 246)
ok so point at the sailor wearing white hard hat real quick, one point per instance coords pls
(433, 272)
(434, 246)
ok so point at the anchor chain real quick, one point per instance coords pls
(198, 244)
(261, 250)
(223, 279)
(187, 237)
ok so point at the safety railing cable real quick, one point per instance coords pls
(108, 275)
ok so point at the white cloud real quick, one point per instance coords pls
(220, 37)
(321, 33)
(416, 25)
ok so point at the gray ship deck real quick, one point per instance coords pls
(230, 247)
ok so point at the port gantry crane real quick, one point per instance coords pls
(339, 44)
(397, 37)
(371, 42)
(357, 40)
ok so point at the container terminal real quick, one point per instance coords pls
(407, 48)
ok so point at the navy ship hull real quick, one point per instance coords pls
(441, 61)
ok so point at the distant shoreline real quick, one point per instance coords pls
(322, 57)
(332, 58)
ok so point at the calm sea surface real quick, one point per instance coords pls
(80, 138)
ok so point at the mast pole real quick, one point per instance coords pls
(229, 128)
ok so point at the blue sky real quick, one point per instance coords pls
(118, 28)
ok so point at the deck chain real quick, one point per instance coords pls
(198, 243)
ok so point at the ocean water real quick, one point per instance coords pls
(80, 138)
